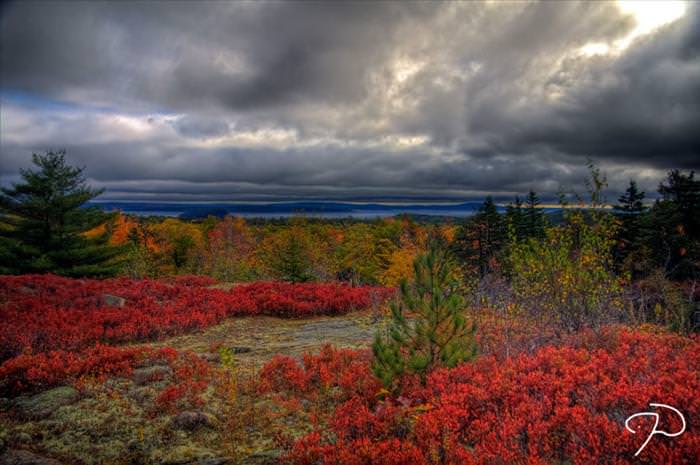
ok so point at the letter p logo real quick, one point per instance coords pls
(656, 423)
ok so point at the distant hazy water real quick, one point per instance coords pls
(288, 209)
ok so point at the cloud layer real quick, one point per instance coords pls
(176, 100)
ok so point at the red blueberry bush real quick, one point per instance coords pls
(191, 377)
(347, 370)
(565, 404)
(40, 313)
(31, 372)
(27, 373)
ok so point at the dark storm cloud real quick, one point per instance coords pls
(186, 55)
(643, 107)
(331, 99)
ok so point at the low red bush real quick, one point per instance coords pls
(33, 372)
(40, 313)
(345, 369)
(559, 405)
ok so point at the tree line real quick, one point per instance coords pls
(585, 258)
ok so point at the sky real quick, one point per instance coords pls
(172, 100)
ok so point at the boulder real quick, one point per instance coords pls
(42, 405)
(240, 349)
(150, 374)
(28, 290)
(23, 457)
(210, 357)
(190, 421)
(109, 300)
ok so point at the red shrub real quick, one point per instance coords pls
(40, 313)
(331, 368)
(559, 405)
(32, 372)
(191, 376)
(305, 299)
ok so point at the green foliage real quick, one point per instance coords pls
(525, 220)
(673, 227)
(295, 254)
(515, 219)
(568, 278)
(632, 200)
(438, 333)
(666, 236)
(479, 240)
(43, 223)
(629, 211)
(294, 262)
(535, 220)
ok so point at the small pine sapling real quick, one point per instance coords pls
(428, 328)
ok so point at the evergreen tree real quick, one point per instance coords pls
(631, 200)
(481, 238)
(515, 219)
(682, 191)
(43, 223)
(629, 211)
(294, 261)
(671, 229)
(535, 220)
(438, 335)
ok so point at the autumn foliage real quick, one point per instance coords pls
(561, 404)
(45, 319)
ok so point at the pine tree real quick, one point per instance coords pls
(439, 333)
(43, 223)
(672, 227)
(294, 262)
(481, 238)
(629, 212)
(683, 192)
(515, 219)
(631, 200)
(535, 221)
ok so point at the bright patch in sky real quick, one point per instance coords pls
(649, 15)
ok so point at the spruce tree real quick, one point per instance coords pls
(438, 333)
(629, 212)
(515, 219)
(43, 223)
(631, 200)
(481, 238)
(672, 226)
(535, 220)
(294, 262)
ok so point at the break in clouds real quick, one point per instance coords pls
(367, 100)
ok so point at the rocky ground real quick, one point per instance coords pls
(115, 422)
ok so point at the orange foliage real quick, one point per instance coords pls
(400, 264)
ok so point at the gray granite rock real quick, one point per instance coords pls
(150, 374)
(190, 420)
(42, 405)
(109, 300)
